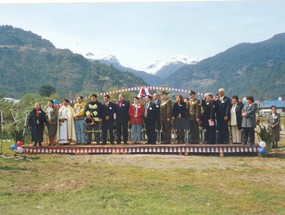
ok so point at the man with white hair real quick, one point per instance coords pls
(223, 116)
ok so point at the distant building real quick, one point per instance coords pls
(265, 105)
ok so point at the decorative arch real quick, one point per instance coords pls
(138, 88)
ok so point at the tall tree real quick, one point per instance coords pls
(47, 90)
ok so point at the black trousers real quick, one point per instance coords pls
(248, 136)
(194, 131)
(108, 125)
(120, 126)
(223, 132)
(180, 135)
(210, 135)
(150, 131)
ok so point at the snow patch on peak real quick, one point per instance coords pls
(111, 59)
(154, 67)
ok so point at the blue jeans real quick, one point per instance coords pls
(80, 131)
(136, 133)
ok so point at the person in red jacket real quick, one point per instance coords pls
(136, 113)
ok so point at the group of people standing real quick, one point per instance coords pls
(85, 122)
(221, 111)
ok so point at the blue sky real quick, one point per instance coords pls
(140, 33)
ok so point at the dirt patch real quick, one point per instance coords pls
(184, 162)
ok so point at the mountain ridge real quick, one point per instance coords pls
(246, 68)
(26, 65)
(112, 61)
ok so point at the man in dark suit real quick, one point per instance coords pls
(223, 116)
(150, 117)
(108, 111)
(122, 119)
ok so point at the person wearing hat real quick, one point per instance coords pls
(157, 102)
(194, 117)
(165, 117)
(56, 103)
(65, 128)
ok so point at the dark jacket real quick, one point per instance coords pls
(179, 109)
(36, 124)
(122, 113)
(108, 111)
(239, 108)
(209, 112)
(158, 102)
(224, 108)
(152, 112)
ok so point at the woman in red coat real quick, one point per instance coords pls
(136, 113)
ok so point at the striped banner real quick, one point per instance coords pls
(156, 149)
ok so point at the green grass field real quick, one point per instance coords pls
(143, 184)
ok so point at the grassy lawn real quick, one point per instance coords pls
(142, 184)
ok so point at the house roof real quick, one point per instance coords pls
(269, 103)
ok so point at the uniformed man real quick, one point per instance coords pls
(194, 117)
(209, 124)
(93, 118)
(165, 117)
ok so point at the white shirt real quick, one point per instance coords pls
(233, 115)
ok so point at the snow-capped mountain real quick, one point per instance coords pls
(111, 60)
(163, 69)
(152, 74)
